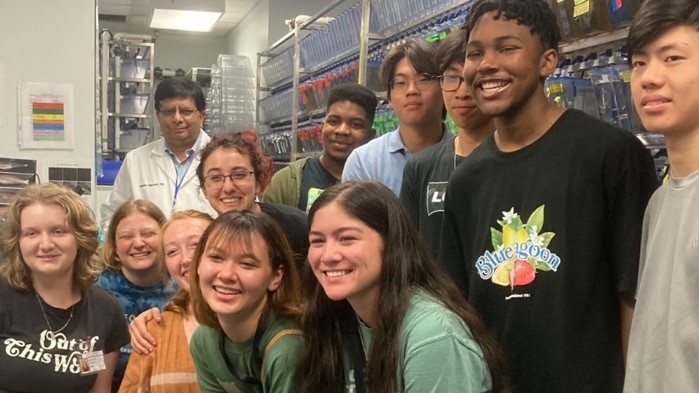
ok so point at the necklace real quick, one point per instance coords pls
(54, 332)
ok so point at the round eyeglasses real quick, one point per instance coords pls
(400, 84)
(237, 177)
(450, 82)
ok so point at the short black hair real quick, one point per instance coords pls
(419, 53)
(451, 50)
(655, 17)
(179, 88)
(356, 94)
(535, 14)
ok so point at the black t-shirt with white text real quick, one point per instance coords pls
(32, 359)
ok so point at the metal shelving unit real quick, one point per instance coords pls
(368, 41)
(125, 92)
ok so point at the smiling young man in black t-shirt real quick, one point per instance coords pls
(542, 221)
(347, 125)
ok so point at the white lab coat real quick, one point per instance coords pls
(148, 173)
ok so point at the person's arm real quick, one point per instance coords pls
(409, 191)
(630, 182)
(451, 250)
(142, 342)
(627, 302)
(139, 369)
(445, 365)
(279, 187)
(103, 383)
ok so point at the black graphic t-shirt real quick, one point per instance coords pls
(314, 180)
(424, 186)
(33, 359)
(542, 241)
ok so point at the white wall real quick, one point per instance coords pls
(186, 51)
(251, 35)
(50, 41)
(264, 25)
(281, 10)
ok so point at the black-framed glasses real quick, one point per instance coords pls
(450, 82)
(184, 112)
(237, 177)
(400, 84)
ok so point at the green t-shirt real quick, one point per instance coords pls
(437, 352)
(280, 364)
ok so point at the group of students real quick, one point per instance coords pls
(378, 313)
(510, 263)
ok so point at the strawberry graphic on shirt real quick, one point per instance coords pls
(525, 247)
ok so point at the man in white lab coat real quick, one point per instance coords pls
(163, 171)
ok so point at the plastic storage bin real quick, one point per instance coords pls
(109, 172)
(136, 103)
(132, 68)
(131, 139)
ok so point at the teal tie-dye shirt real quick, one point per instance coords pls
(134, 300)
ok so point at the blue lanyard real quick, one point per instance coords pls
(179, 178)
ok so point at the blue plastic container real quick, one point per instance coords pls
(109, 172)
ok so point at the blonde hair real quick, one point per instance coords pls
(79, 219)
(109, 254)
(180, 300)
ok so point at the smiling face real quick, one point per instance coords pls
(665, 82)
(345, 255)
(345, 128)
(415, 106)
(180, 241)
(47, 244)
(460, 105)
(236, 277)
(229, 195)
(180, 121)
(137, 237)
(505, 66)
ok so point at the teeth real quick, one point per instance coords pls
(337, 273)
(140, 254)
(230, 200)
(651, 103)
(493, 85)
(226, 291)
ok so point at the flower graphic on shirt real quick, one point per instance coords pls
(520, 250)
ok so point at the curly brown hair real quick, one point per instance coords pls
(246, 143)
(80, 219)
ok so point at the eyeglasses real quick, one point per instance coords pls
(400, 84)
(237, 177)
(184, 112)
(450, 82)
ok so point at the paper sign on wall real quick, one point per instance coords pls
(46, 116)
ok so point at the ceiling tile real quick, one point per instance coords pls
(139, 20)
(114, 2)
(114, 9)
(140, 10)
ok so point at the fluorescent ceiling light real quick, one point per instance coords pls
(199, 15)
(183, 20)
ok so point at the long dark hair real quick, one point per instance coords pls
(407, 264)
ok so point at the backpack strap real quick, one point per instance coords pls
(268, 347)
